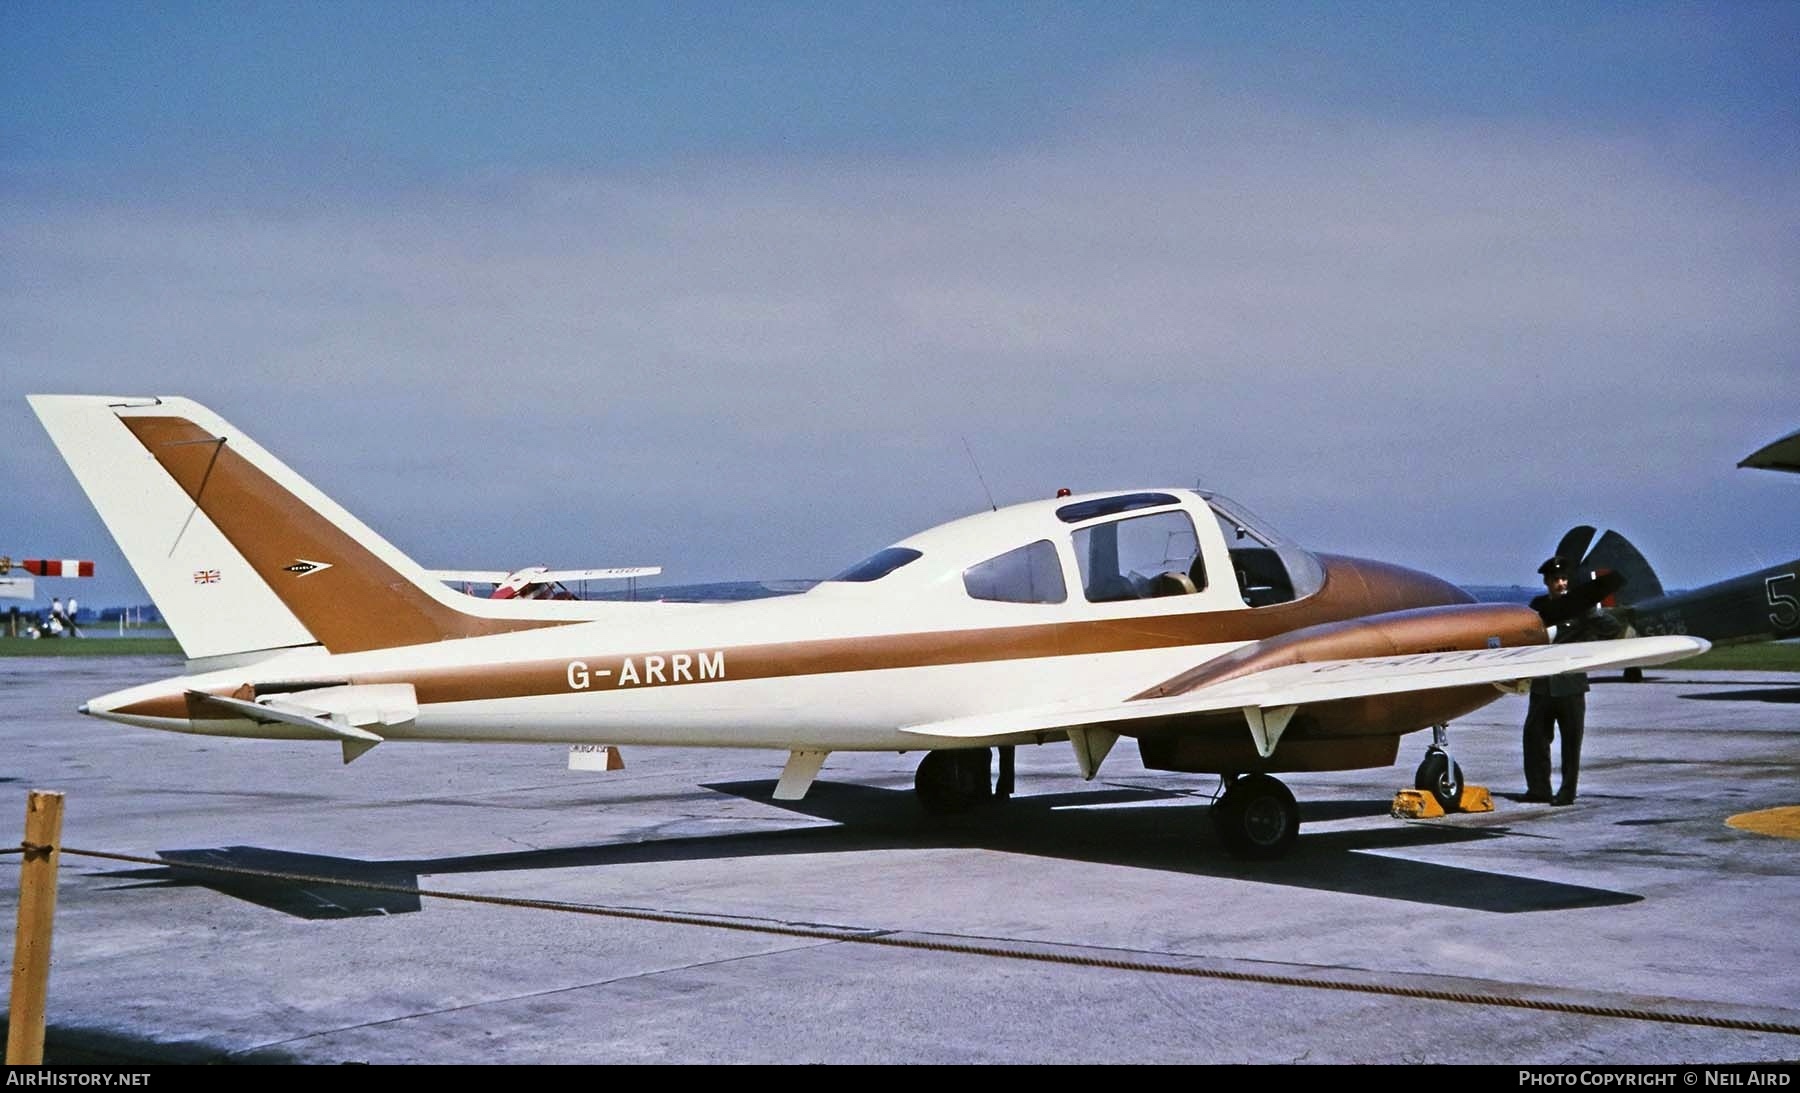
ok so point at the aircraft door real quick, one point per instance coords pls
(1140, 558)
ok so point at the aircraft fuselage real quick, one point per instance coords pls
(1760, 606)
(733, 675)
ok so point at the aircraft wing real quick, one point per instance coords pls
(1264, 695)
(614, 573)
(471, 576)
(496, 576)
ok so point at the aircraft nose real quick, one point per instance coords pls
(83, 708)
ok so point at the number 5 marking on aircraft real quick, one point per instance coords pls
(1787, 608)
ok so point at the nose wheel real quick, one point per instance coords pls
(1440, 776)
(1438, 786)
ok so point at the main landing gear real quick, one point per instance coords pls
(958, 779)
(1256, 817)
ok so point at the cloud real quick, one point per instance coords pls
(1441, 341)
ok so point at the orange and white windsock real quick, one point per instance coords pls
(57, 567)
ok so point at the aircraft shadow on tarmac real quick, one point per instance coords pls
(1761, 694)
(1137, 828)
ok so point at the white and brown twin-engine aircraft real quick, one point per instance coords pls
(1168, 615)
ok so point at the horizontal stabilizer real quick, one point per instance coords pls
(277, 713)
(1332, 680)
(334, 713)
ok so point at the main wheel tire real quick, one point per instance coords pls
(1257, 818)
(954, 780)
(1441, 777)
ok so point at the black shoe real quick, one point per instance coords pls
(1535, 798)
(1563, 799)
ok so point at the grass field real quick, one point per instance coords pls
(1775, 656)
(87, 647)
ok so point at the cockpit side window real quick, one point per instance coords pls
(1030, 574)
(1140, 558)
(1269, 569)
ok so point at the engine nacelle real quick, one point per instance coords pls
(1348, 734)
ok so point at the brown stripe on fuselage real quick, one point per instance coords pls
(357, 604)
(1353, 588)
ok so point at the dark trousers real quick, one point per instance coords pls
(1544, 715)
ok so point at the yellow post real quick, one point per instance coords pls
(37, 909)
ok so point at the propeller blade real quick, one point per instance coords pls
(1574, 544)
(1590, 590)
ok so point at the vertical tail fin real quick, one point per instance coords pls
(241, 555)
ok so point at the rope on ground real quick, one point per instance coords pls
(887, 939)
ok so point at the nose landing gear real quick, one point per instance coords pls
(1438, 784)
(1440, 776)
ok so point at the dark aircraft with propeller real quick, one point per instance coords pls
(1752, 607)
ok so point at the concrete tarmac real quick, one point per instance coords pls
(1079, 923)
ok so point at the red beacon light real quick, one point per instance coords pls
(1064, 492)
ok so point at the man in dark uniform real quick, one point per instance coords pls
(1560, 702)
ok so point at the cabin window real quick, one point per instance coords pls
(879, 564)
(1030, 574)
(1141, 558)
(1107, 506)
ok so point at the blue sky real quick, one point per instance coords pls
(351, 91)
(726, 287)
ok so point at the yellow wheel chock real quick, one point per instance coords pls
(1417, 804)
